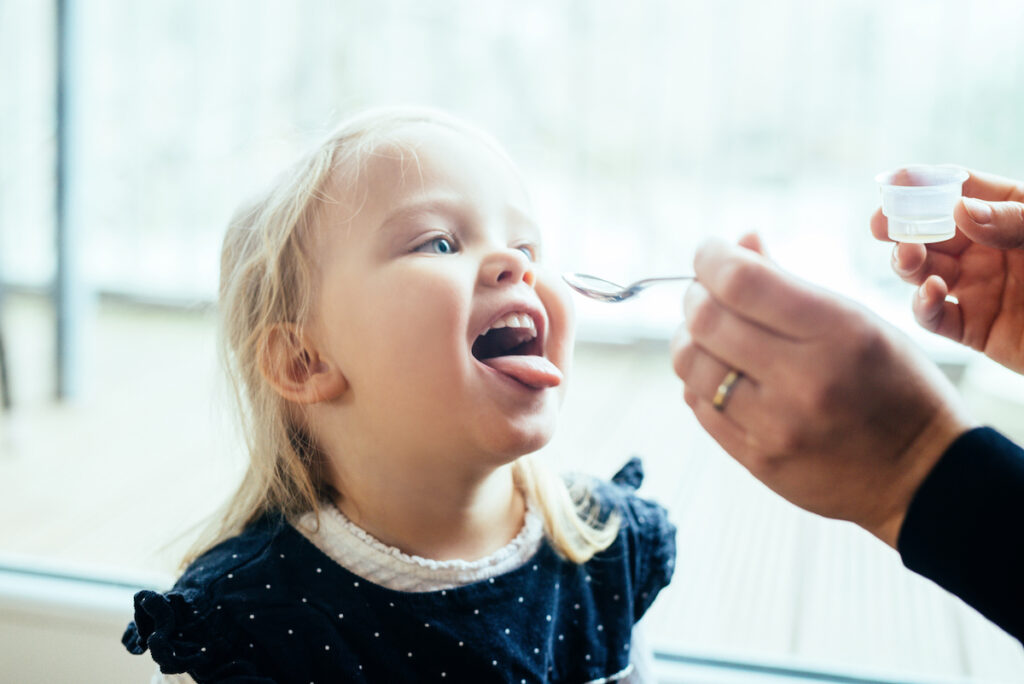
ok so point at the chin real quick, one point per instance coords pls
(519, 440)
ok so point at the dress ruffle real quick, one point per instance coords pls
(166, 626)
(630, 475)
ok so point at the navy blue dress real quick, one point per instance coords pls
(269, 606)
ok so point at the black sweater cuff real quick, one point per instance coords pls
(965, 526)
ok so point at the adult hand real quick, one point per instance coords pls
(836, 410)
(981, 270)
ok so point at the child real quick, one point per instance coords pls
(399, 353)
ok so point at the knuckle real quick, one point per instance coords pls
(682, 361)
(704, 318)
(1018, 211)
(1017, 215)
(1016, 192)
(739, 279)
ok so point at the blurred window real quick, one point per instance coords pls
(641, 129)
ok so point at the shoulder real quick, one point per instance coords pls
(198, 622)
(637, 515)
(646, 541)
(235, 568)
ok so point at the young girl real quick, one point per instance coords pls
(398, 354)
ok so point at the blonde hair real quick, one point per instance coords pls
(267, 279)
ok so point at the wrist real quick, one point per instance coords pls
(914, 465)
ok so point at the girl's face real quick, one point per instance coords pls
(453, 340)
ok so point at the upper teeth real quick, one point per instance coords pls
(515, 320)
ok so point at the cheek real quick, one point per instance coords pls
(558, 303)
(414, 325)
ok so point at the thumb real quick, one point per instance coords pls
(994, 224)
(753, 242)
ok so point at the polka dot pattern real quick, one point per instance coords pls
(546, 620)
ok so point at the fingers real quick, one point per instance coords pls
(992, 211)
(737, 425)
(702, 373)
(752, 241)
(880, 230)
(994, 224)
(753, 288)
(983, 186)
(914, 264)
(736, 341)
(722, 429)
(880, 226)
(933, 312)
(993, 188)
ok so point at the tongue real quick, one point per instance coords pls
(533, 371)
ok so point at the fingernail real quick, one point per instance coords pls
(978, 210)
(896, 265)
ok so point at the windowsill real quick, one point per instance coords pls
(76, 606)
(675, 666)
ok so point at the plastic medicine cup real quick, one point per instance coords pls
(918, 200)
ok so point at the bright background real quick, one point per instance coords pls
(641, 128)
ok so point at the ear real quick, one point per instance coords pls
(295, 369)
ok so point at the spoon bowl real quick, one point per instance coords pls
(606, 291)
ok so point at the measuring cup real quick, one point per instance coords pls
(918, 200)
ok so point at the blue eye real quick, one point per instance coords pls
(439, 245)
(529, 251)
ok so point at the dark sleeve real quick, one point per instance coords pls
(653, 538)
(963, 529)
(182, 637)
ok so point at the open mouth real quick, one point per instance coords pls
(513, 347)
(514, 334)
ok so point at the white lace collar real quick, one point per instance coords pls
(362, 554)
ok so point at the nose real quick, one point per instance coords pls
(507, 266)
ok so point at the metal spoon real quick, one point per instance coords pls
(607, 291)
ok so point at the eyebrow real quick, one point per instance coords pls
(525, 220)
(452, 204)
(425, 205)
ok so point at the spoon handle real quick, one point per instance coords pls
(664, 279)
(647, 282)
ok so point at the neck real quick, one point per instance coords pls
(428, 512)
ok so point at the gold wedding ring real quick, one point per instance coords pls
(725, 389)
